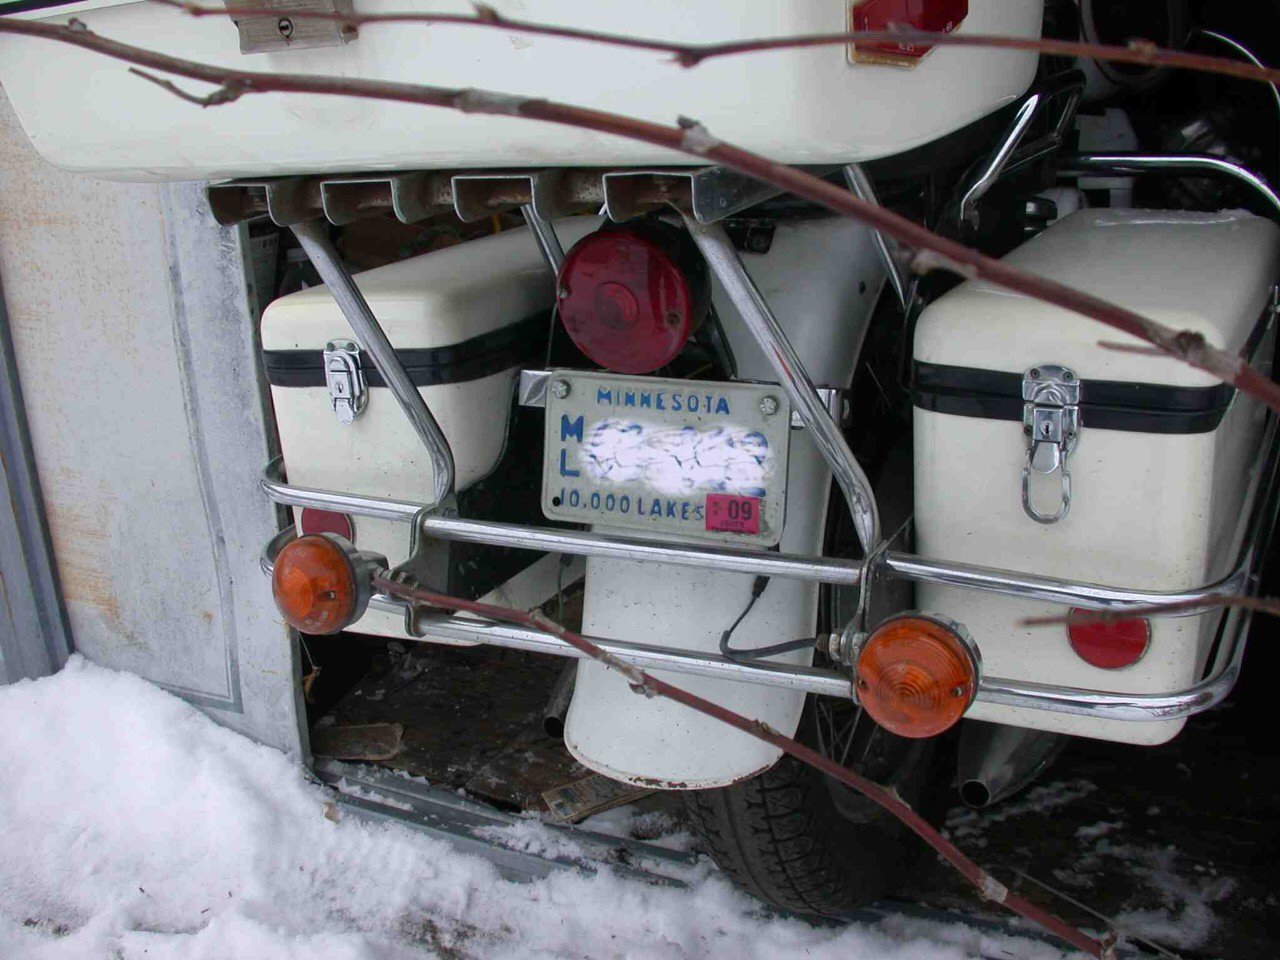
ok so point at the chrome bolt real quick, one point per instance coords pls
(1068, 376)
(1035, 373)
(768, 406)
(559, 389)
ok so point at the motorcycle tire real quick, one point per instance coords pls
(807, 844)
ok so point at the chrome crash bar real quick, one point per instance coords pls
(1218, 682)
(296, 203)
(1009, 583)
(993, 690)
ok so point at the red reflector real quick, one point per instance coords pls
(931, 16)
(1109, 645)
(326, 521)
(630, 297)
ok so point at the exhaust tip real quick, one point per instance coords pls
(975, 794)
(553, 726)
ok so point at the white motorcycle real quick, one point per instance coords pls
(793, 477)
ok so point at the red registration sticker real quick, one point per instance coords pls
(727, 513)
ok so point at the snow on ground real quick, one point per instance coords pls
(136, 828)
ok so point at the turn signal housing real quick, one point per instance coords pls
(321, 583)
(916, 675)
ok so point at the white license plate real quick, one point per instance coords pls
(688, 457)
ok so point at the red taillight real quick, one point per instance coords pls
(932, 16)
(916, 675)
(327, 521)
(631, 296)
(1109, 644)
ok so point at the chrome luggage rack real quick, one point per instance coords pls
(705, 196)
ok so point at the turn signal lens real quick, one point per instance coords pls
(1109, 645)
(916, 675)
(314, 584)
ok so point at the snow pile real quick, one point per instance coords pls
(135, 827)
(653, 827)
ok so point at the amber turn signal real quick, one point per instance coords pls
(315, 584)
(916, 675)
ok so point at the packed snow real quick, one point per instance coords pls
(137, 828)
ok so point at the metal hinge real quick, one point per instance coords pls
(286, 25)
(345, 379)
(1051, 422)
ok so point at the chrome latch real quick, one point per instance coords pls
(1051, 422)
(345, 379)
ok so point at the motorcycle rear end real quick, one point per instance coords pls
(734, 417)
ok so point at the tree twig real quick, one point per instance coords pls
(647, 685)
(224, 94)
(1137, 51)
(691, 138)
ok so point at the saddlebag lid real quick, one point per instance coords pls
(1210, 273)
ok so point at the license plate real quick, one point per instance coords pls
(687, 457)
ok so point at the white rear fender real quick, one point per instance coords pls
(821, 278)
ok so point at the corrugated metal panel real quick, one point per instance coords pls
(134, 339)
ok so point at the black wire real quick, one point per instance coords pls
(758, 653)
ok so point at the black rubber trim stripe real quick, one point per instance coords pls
(472, 359)
(1105, 404)
(22, 6)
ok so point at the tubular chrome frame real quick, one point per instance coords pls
(1101, 705)
(855, 177)
(763, 325)
(1218, 681)
(1009, 583)
(1170, 163)
(1009, 155)
(723, 261)
(314, 237)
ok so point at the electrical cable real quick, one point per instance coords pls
(758, 653)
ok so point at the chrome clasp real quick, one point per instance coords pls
(1051, 422)
(345, 379)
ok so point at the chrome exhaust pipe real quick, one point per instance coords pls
(996, 761)
(558, 703)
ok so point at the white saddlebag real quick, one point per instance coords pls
(463, 321)
(1161, 461)
(88, 113)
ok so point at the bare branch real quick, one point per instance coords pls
(224, 94)
(1232, 601)
(649, 685)
(1137, 51)
(1187, 346)
(1184, 345)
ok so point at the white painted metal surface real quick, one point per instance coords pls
(821, 278)
(434, 300)
(1151, 511)
(86, 113)
(134, 339)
